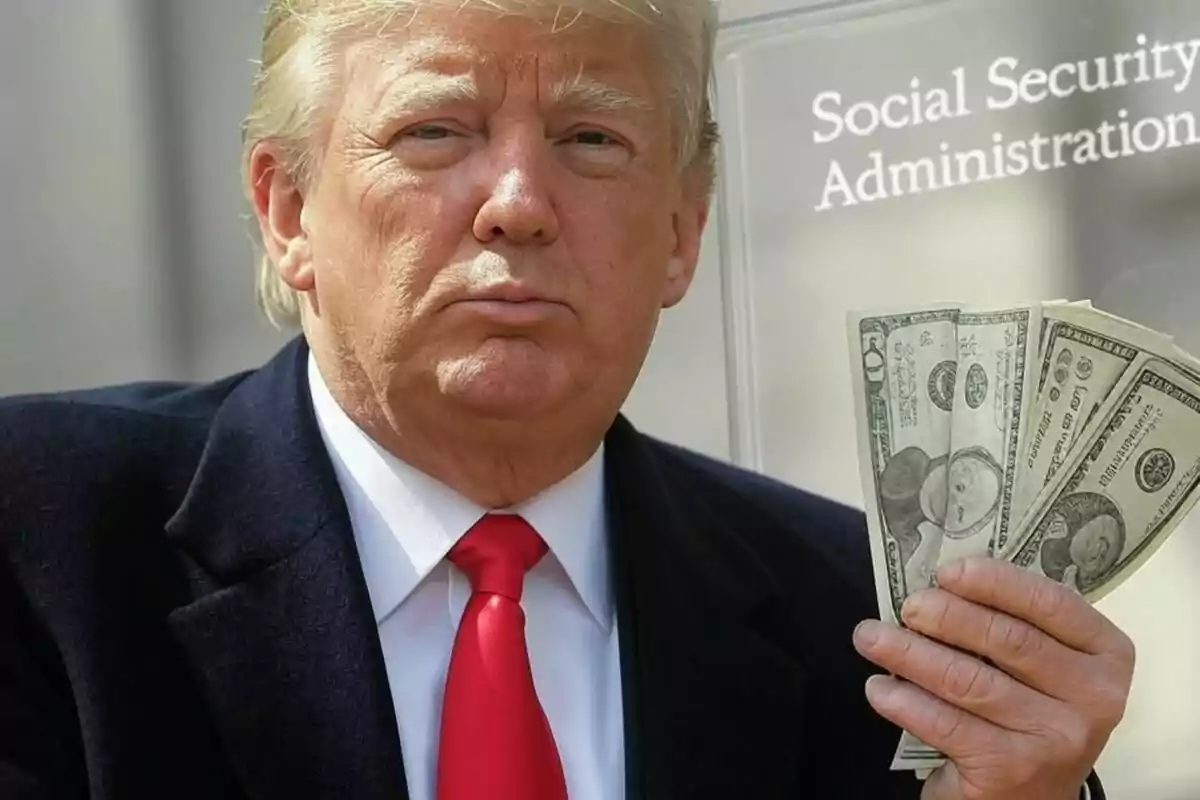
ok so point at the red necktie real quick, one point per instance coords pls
(496, 743)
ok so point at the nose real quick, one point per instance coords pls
(518, 206)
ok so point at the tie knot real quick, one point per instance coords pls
(496, 553)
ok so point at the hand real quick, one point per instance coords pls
(1031, 722)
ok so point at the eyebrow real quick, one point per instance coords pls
(418, 91)
(422, 90)
(419, 81)
(587, 95)
(427, 80)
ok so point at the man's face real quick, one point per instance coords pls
(498, 218)
(1095, 546)
(973, 489)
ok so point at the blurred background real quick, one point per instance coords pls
(127, 252)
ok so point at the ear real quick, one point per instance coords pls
(279, 207)
(689, 221)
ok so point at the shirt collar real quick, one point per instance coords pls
(405, 521)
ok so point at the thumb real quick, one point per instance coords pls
(943, 784)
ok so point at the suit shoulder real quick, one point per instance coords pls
(786, 517)
(145, 400)
(37, 417)
(63, 447)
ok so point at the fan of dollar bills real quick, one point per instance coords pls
(1057, 436)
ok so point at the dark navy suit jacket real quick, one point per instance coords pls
(183, 613)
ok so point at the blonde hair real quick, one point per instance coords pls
(297, 72)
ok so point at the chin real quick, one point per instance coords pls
(506, 381)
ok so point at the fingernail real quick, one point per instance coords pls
(911, 606)
(879, 688)
(950, 572)
(866, 634)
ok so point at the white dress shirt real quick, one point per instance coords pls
(405, 523)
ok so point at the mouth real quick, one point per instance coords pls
(510, 304)
(507, 293)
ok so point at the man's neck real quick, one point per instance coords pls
(495, 463)
(496, 471)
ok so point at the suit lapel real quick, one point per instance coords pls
(280, 634)
(712, 709)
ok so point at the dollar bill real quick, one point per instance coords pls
(1133, 479)
(904, 368)
(1185, 361)
(1084, 353)
(997, 355)
(1057, 436)
(1134, 476)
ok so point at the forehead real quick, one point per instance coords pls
(487, 52)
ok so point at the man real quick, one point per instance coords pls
(420, 554)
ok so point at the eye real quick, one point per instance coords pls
(592, 138)
(429, 133)
(595, 153)
(432, 145)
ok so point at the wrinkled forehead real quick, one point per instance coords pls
(573, 60)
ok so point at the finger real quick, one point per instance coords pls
(944, 727)
(1048, 606)
(955, 677)
(1020, 649)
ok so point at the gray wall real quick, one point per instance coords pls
(127, 252)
